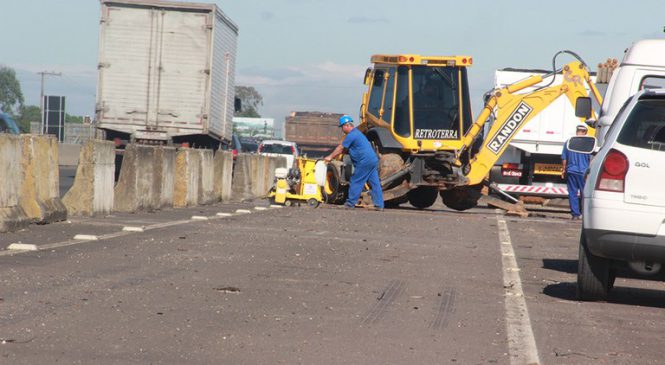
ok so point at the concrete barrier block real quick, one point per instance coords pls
(257, 173)
(223, 175)
(40, 193)
(12, 216)
(187, 175)
(241, 187)
(92, 192)
(165, 173)
(207, 178)
(138, 188)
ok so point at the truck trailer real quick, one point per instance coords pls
(166, 73)
(315, 133)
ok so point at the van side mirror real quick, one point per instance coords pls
(368, 73)
(583, 107)
(582, 144)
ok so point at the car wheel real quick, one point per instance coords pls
(594, 279)
(422, 197)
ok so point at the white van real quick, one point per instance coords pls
(642, 67)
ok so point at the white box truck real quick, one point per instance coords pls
(531, 165)
(166, 73)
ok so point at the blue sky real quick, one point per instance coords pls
(311, 54)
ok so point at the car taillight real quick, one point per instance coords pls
(259, 149)
(613, 172)
(235, 153)
(293, 150)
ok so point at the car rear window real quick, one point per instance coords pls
(277, 148)
(645, 126)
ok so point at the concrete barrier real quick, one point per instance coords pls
(206, 193)
(92, 192)
(165, 173)
(12, 216)
(187, 176)
(40, 185)
(223, 175)
(138, 187)
(241, 187)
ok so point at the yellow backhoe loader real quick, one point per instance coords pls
(417, 115)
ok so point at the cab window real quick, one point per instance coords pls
(402, 119)
(436, 113)
(377, 93)
(388, 102)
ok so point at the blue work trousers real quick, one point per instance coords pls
(365, 172)
(575, 188)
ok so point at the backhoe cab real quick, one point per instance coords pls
(417, 114)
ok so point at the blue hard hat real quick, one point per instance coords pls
(345, 119)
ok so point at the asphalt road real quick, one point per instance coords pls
(316, 286)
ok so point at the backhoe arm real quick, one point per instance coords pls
(522, 107)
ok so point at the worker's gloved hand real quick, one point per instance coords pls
(327, 159)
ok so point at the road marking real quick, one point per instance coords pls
(22, 247)
(83, 238)
(86, 237)
(199, 218)
(521, 342)
(260, 208)
(133, 229)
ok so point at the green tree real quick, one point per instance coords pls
(29, 113)
(251, 99)
(11, 97)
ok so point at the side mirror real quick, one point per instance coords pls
(583, 107)
(582, 144)
(368, 73)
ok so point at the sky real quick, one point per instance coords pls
(311, 55)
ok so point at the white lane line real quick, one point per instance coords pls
(521, 342)
(22, 247)
(81, 238)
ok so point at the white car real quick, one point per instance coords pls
(279, 148)
(624, 199)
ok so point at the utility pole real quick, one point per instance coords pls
(41, 97)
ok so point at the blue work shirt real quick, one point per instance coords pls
(576, 163)
(359, 148)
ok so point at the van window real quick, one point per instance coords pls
(645, 126)
(652, 82)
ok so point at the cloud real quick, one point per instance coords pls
(366, 20)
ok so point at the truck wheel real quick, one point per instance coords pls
(594, 280)
(462, 197)
(422, 197)
(333, 191)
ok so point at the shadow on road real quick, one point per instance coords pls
(567, 266)
(619, 295)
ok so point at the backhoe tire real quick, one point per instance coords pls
(595, 278)
(422, 197)
(333, 192)
(461, 198)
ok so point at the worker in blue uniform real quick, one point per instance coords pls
(365, 163)
(575, 165)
